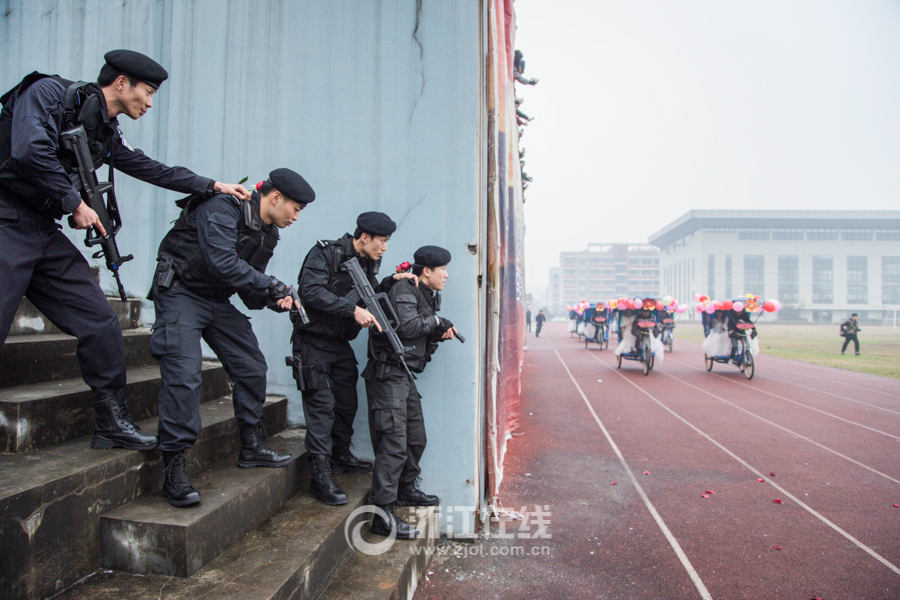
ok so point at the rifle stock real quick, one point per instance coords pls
(74, 141)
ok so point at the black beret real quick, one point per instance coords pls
(292, 185)
(375, 223)
(140, 66)
(431, 256)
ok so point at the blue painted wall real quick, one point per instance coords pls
(379, 104)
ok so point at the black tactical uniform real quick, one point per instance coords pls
(39, 262)
(216, 248)
(329, 365)
(396, 423)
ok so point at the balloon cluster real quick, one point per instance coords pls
(666, 303)
(750, 303)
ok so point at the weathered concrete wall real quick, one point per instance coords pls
(378, 104)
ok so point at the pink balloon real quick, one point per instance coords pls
(699, 307)
(681, 308)
(738, 306)
(660, 305)
(710, 308)
(697, 297)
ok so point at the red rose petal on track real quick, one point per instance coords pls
(777, 547)
(760, 479)
(710, 492)
(704, 495)
(771, 474)
(897, 506)
(612, 483)
(646, 472)
(777, 501)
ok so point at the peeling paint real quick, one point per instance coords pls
(31, 524)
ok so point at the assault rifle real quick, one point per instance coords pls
(379, 306)
(84, 178)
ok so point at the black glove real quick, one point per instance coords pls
(277, 291)
(445, 325)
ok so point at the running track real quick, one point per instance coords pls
(831, 438)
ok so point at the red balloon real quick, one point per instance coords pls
(704, 298)
(769, 306)
(660, 305)
(727, 305)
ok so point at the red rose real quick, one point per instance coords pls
(403, 267)
(259, 185)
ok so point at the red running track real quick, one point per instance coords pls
(831, 438)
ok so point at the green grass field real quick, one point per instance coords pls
(821, 345)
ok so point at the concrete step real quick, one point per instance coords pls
(27, 359)
(295, 554)
(149, 536)
(43, 414)
(393, 574)
(29, 320)
(51, 499)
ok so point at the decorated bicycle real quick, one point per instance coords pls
(730, 330)
(639, 331)
(667, 320)
(598, 323)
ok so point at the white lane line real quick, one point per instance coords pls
(770, 378)
(827, 414)
(685, 562)
(816, 377)
(794, 433)
(759, 474)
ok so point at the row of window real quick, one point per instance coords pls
(822, 278)
(754, 233)
(571, 260)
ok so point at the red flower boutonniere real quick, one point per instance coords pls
(404, 267)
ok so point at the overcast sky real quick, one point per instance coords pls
(648, 109)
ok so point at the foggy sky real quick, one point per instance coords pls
(648, 109)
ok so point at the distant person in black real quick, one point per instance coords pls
(37, 260)
(217, 248)
(539, 321)
(528, 320)
(849, 329)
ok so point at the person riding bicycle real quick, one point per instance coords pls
(735, 332)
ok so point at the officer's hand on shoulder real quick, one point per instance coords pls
(233, 189)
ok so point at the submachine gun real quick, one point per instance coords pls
(379, 306)
(84, 178)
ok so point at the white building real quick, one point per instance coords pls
(604, 271)
(822, 265)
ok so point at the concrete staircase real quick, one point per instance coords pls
(83, 523)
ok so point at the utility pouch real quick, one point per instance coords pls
(315, 377)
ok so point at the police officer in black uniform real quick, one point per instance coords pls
(396, 421)
(329, 366)
(37, 260)
(216, 248)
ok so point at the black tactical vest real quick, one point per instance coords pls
(335, 253)
(418, 350)
(81, 106)
(255, 244)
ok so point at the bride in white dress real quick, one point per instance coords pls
(717, 343)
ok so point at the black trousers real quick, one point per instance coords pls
(182, 319)
(397, 427)
(540, 324)
(330, 400)
(39, 262)
(847, 339)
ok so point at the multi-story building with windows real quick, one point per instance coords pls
(822, 265)
(604, 271)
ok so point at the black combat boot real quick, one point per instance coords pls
(321, 485)
(254, 454)
(177, 487)
(405, 531)
(409, 494)
(343, 461)
(116, 428)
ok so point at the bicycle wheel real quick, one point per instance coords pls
(749, 365)
(619, 361)
(708, 361)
